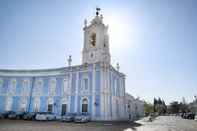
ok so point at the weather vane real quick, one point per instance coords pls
(97, 10)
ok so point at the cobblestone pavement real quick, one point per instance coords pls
(20, 125)
(166, 123)
(162, 123)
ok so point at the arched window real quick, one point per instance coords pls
(93, 39)
(64, 106)
(50, 105)
(84, 105)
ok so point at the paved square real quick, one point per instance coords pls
(162, 123)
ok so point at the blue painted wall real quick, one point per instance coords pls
(98, 106)
(59, 86)
(43, 105)
(72, 104)
(79, 104)
(73, 82)
(15, 103)
(2, 103)
(45, 89)
(98, 81)
(90, 105)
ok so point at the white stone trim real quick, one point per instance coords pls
(12, 87)
(8, 103)
(36, 105)
(93, 91)
(23, 103)
(81, 102)
(76, 91)
(52, 86)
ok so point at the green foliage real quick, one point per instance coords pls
(159, 106)
(148, 108)
(176, 107)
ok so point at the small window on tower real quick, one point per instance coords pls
(93, 39)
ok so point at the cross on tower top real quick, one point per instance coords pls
(97, 10)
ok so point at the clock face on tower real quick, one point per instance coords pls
(93, 39)
(91, 55)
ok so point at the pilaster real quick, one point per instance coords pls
(93, 91)
(76, 92)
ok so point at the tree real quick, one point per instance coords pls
(174, 107)
(159, 106)
(155, 103)
(148, 108)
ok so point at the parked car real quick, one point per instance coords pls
(69, 117)
(19, 115)
(82, 118)
(190, 116)
(5, 114)
(29, 116)
(50, 116)
(45, 116)
(41, 116)
(1, 116)
(195, 117)
(12, 115)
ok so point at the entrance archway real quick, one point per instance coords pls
(85, 105)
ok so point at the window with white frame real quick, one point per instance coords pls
(50, 105)
(85, 84)
(38, 87)
(36, 104)
(12, 89)
(52, 89)
(23, 104)
(25, 87)
(65, 86)
(8, 104)
(64, 102)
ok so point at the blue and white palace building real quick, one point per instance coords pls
(95, 86)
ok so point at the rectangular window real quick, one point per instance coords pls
(64, 109)
(85, 84)
(50, 108)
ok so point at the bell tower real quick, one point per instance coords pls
(96, 41)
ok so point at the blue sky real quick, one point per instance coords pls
(155, 41)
